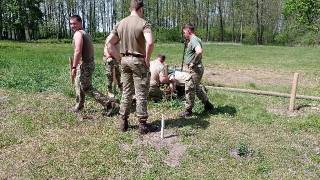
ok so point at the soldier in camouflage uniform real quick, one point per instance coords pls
(111, 62)
(136, 46)
(83, 68)
(193, 59)
(159, 75)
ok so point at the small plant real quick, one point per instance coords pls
(242, 149)
(253, 85)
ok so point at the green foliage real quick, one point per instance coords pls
(21, 16)
(242, 149)
(292, 36)
(305, 12)
(168, 35)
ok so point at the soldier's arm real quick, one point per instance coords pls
(77, 54)
(110, 48)
(149, 45)
(105, 49)
(164, 79)
(163, 76)
(198, 55)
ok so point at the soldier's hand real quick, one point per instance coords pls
(191, 65)
(73, 75)
(147, 63)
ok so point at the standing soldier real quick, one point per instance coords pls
(192, 58)
(136, 46)
(111, 61)
(83, 67)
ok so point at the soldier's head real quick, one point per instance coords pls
(75, 22)
(137, 6)
(161, 58)
(188, 30)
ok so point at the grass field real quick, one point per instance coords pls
(246, 137)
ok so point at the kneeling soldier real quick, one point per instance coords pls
(159, 76)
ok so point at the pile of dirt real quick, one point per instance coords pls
(170, 142)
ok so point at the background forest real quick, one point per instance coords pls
(286, 22)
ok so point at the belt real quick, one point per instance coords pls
(133, 55)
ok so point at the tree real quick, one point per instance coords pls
(305, 12)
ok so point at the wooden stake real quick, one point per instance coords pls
(293, 91)
(264, 93)
(162, 127)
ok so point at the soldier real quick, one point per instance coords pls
(136, 46)
(83, 67)
(159, 75)
(111, 61)
(192, 58)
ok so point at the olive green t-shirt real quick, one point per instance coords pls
(87, 47)
(130, 31)
(191, 50)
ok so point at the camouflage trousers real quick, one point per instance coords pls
(197, 73)
(135, 79)
(190, 93)
(155, 93)
(112, 70)
(185, 78)
(193, 87)
(83, 85)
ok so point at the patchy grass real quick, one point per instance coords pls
(41, 139)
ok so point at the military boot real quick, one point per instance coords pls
(186, 113)
(124, 124)
(208, 106)
(112, 108)
(145, 128)
(77, 108)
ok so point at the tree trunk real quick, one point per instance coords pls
(103, 19)
(83, 14)
(261, 23)
(221, 20)
(257, 23)
(207, 21)
(233, 17)
(26, 32)
(241, 31)
(1, 19)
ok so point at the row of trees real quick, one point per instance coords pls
(252, 21)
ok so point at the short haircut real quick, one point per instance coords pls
(77, 17)
(136, 4)
(162, 57)
(189, 26)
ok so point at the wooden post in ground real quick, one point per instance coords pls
(264, 93)
(162, 126)
(293, 92)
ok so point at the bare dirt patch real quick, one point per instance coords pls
(223, 76)
(170, 143)
(299, 110)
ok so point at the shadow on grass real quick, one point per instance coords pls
(198, 120)
(227, 110)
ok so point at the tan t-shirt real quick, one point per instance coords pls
(130, 32)
(157, 69)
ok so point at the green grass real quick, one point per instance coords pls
(40, 139)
